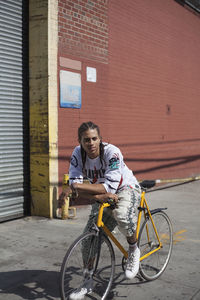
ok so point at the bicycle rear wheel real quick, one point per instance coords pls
(154, 265)
(93, 252)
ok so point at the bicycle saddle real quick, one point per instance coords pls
(147, 184)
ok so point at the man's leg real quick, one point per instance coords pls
(126, 216)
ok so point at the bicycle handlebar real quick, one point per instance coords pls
(112, 203)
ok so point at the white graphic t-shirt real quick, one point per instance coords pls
(111, 171)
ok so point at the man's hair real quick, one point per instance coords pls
(84, 127)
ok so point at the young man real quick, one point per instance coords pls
(109, 178)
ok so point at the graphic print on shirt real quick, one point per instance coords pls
(74, 161)
(94, 175)
(114, 162)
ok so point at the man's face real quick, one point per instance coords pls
(90, 142)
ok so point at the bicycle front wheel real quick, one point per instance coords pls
(91, 255)
(154, 265)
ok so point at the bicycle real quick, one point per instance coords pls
(97, 266)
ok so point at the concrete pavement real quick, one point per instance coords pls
(32, 249)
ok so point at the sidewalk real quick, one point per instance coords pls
(33, 248)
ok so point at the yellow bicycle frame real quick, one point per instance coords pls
(107, 231)
(143, 207)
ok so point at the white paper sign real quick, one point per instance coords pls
(91, 74)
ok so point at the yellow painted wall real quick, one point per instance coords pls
(43, 106)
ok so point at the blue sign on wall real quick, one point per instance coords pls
(70, 89)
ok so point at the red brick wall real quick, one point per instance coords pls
(146, 98)
(153, 78)
(83, 28)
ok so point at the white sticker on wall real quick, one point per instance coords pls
(91, 74)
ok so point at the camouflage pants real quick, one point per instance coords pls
(124, 216)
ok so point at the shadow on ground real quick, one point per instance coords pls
(30, 284)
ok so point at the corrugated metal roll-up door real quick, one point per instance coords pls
(11, 110)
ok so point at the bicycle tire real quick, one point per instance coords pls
(155, 264)
(103, 257)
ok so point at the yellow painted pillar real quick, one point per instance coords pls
(43, 106)
(53, 104)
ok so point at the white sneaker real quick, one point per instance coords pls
(85, 288)
(132, 265)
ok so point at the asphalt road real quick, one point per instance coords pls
(32, 249)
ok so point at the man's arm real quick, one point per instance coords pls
(99, 198)
(91, 189)
(91, 192)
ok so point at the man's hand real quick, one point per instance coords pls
(106, 197)
(66, 193)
